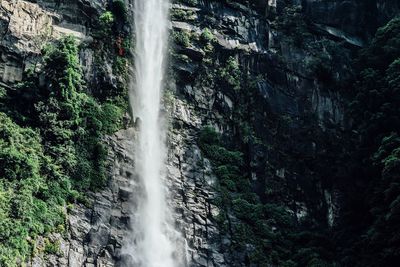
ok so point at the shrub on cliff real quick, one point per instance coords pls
(31, 192)
(58, 151)
(207, 36)
(182, 38)
(229, 75)
(119, 10)
(376, 116)
(72, 122)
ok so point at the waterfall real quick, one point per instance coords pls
(154, 243)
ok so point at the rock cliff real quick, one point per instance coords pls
(293, 55)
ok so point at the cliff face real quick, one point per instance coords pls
(26, 26)
(289, 113)
(359, 19)
(265, 75)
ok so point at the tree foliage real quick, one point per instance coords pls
(57, 153)
(269, 229)
(29, 205)
(377, 150)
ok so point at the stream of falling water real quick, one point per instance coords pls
(155, 245)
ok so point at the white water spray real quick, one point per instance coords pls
(154, 247)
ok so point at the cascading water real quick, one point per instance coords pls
(154, 242)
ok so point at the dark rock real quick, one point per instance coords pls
(193, 53)
(358, 19)
(125, 193)
(125, 261)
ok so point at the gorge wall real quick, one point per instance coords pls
(259, 132)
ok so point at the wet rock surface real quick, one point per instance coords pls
(193, 191)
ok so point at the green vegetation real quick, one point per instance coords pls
(54, 154)
(373, 191)
(110, 24)
(186, 15)
(107, 19)
(51, 149)
(182, 38)
(376, 124)
(72, 122)
(189, 2)
(32, 191)
(257, 214)
(52, 247)
(230, 75)
(321, 68)
(207, 36)
(207, 40)
(121, 66)
(227, 163)
(293, 25)
(270, 228)
(111, 46)
(119, 10)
